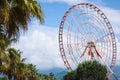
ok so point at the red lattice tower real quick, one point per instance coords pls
(85, 33)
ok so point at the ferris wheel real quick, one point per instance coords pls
(85, 33)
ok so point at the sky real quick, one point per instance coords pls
(40, 43)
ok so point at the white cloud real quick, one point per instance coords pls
(113, 16)
(40, 47)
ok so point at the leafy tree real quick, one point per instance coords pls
(89, 70)
(70, 75)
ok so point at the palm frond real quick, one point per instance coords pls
(15, 15)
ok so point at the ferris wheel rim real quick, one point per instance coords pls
(109, 26)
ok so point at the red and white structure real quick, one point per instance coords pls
(85, 33)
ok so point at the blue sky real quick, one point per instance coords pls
(40, 43)
(112, 3)
(55, 9)
(54, 12)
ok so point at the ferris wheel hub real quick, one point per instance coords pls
(91, 44)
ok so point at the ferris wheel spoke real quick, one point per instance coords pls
(79, 44)
(103, 38)
(74, 49)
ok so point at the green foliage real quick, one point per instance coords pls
(89, 70)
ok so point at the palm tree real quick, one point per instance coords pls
(21, 70)
(14, 56)
(32, 72)
(5, 42)
(16, 14)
